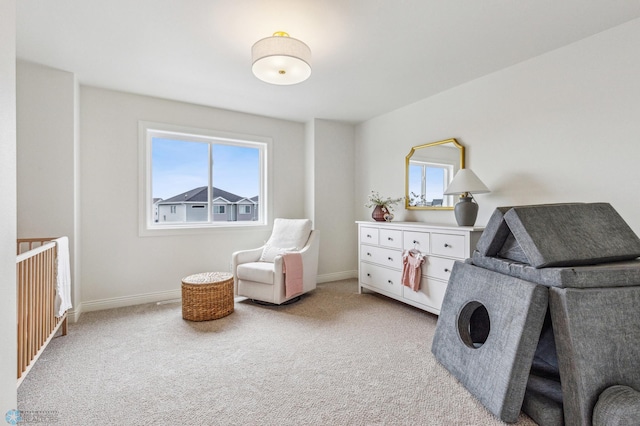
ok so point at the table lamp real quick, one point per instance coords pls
(465, 182)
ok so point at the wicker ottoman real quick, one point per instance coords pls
(207, 296)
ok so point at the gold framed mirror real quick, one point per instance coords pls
(429, 169)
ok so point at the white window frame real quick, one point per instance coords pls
(148, 130)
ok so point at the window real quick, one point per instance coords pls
(195, 178)
(246, 209)
(428, 182)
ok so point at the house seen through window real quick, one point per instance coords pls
(200, 179)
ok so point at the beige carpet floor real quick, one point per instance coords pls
(334, 358)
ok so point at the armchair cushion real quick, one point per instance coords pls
(262, 272)
(287, 235)
(270, 252)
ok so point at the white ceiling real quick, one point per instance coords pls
(369, 56)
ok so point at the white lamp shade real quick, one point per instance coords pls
(281, 59)
(466, 181)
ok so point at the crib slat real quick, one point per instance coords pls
(35, 291)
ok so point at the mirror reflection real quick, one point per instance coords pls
(429, 169)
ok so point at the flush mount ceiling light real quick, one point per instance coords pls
(281, 59)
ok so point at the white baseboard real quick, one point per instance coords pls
(160, 296)
(74, 314)
(337, 276)
(138, 299)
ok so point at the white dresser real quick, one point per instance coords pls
(380, 259)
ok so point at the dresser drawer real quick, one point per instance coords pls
(431, 293)
(416, 240)
(438, 267)
(448, 245)
(391, 238)
(384, 279)
(382, 256)
(380, 249)
(369, 235)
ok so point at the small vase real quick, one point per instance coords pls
(378, 213)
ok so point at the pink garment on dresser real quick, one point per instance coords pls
(292, 268)
(412, 261)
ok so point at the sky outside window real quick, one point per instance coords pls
(179, 166)
(236, 169)
(434, 181)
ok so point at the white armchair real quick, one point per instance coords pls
(258, 273)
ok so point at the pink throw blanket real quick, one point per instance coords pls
(292, 268)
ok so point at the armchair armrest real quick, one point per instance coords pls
(307, 252)
(309, 255)
(304, 253)
(240, 257)
(246, 256)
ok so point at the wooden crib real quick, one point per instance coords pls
(36, 292)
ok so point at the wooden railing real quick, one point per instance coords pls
(36, 292)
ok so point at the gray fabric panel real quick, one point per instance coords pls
(545, 360)
(550, 388)
(495, 373)
(543, 402)
(512, 250)
(572, 234)
(497, 231)
(614, 274)
(494, 234)
(597, 333)
(543, 411)
(617, 406)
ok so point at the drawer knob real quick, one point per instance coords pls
(416, 242)
(390, 259)
(368, 275)
(447, 270)
(447, 245)
(368, 254)
(368, 236)
(390, 282)
(389, 238)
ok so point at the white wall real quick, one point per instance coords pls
(8, 400)
(118, 266)
(330, 149)
(47, 157)
(561, 127)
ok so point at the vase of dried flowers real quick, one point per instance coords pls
(382, 207)
(378, 213)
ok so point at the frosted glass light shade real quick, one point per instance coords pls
(281, 59)
(466, 181)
